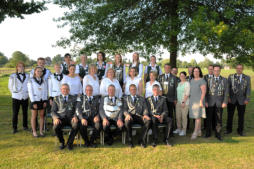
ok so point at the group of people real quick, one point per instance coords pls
(104, 94)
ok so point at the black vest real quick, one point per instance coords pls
(101, 70)
(83, 71)
(65, 70)
(149, 68)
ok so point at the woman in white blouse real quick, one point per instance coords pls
(149, 85)
(110, 79)
(74, 81)
(37, 91)
(136, 64)
(93, 80)
(132, 78)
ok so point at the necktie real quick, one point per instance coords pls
(65, 99)
(135, 99)
(90, 100)
(166, 77)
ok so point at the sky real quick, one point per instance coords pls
(37, 33)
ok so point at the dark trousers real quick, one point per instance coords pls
(146, 124)
(15, 108)
(231, 111)
(95, 131)
(59, 133)
(107, 129)
(156, 122)
(216, 112)
(171, 110)
(213, 120)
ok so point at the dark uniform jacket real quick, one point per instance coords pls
(159, 108)
(138, 107)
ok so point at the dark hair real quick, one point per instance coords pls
(71, 65)
(211, 65)
(67, 55)
(183, 72)
(156, 85)
(132, 85)
(200, 72)
(103, 56)
(217, 66)
(168, 64)
(40, 58)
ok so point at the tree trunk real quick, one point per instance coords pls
(175, 29)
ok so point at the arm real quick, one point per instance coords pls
(165, 109)
(203, 93)
(145, 74)
(175, 86)
(140, 69)
(45, 91)
(125, 107)
(101, 109)
(248, 92)
(187, 92)
(140, 87)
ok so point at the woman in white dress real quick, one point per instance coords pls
(149, 85)
(74, 81)
(132, 78)
(110, 79)
(38, 94)
(93, 80)
(137, 65)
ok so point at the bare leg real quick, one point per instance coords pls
(41, 112)
(33, 122)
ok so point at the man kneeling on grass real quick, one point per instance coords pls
(63, 114)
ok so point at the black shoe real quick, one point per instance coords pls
(110, 141)
(15, 131)
(168, 143)
(70, 147)
(241, 133)
(154, 144)
(143, 145)
(25, 128)
(86, 145)
(218, 136)
(228, 132)
(131, 145)
(207, 135)
(93, 145)
(62, 146)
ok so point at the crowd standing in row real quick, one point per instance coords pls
(103, 94)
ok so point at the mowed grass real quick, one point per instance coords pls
(23, 151)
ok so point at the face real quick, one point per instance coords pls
(65, 90)
(89, 91)
(152, 77)
(167, 69)
(67, 59)
(110, 74)
(132, 72)
(72, 70)
(182, 77)
(133, 90)
(100, 57)
(118, 58)
(239, 69)
(210, 70)
(156, 91)
(190, 70)
(38, 72)
(196, 73)
(57, 68)
(135, 57)
(153, 60)
(41, 63)
(83, 59)
(111, 91)
(20, 68)
(216, 71)
(175, 71)
(93, 70)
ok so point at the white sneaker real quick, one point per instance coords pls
(176, 131)
(182, 133)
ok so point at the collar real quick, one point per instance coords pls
(153, 66)
(65, 96)
(89, 97)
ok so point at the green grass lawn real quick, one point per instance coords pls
(23, 151)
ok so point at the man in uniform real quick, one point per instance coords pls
(135, 112)
(239, 96)
(157, 108)
(111, 112)
(88, 113)
(63, 114)
(216, 100)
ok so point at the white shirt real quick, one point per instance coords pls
(129, 81)
(104, 87)
(149, 88)
(140, 69)
(89, 80)
(18, 89)
(74, 84)
(54, 86)
(77, 68)
(37, 92)
(153, 68)
(45, 77)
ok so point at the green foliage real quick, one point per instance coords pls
(18, 8)
(3, 59)
(57, 59)
(148, 26)
(18, 56)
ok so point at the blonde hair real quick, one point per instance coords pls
(20, 63)
(92, 66)
(37, 67)
(109, 70)
(136, 73)
(153, 73)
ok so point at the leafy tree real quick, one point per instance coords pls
(18, 8)
(18, 56)
(57, 59)
(3, 59)
(205, 63)
(220, 27)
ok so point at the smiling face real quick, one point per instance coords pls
(67, 59)
(156, 90)
(135, 57)
(133, 90)
(153, 60)
(20, 68)
(132, 72)
(57, 68)
(110, 74)
(38, 72)
(93, 70)
(118, 58)
(111, 91)
(182, 77)
(216, 71)
(89, 90)
(210, 70)
(83, 59)
(72, 70)
(99, 57)
(65, 90)
(41, 63)
(152, 76)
